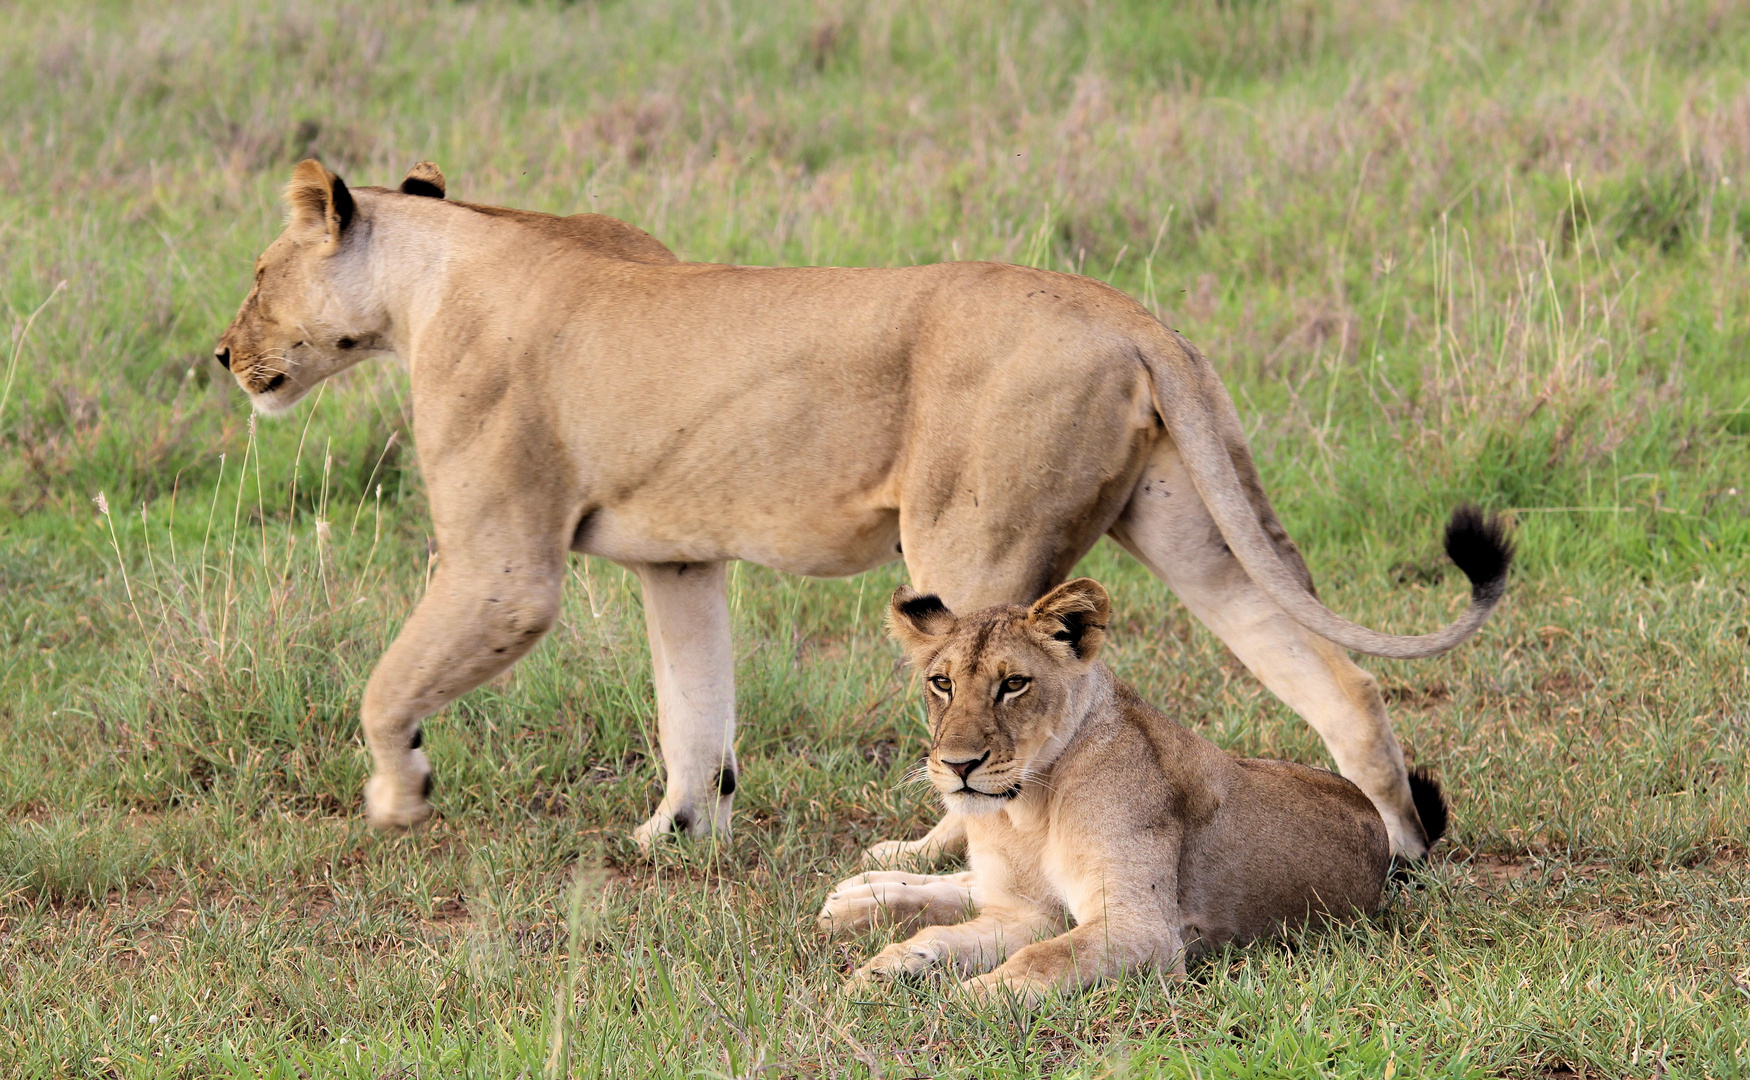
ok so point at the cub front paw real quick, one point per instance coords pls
(994, 986)
(887, 853)
(898, 961)
(843, 915)
(867, 900)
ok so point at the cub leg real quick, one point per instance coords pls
(472, 623)
(1168, 529)
(883, 897)
(969, 947)
(1129, 919)
(935, 847)
(686, 611)
(1093, 951)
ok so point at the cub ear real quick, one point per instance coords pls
(316, 199)
(1074, 613)
(424, 179)
(918, 621)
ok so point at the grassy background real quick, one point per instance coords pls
(1439, 250)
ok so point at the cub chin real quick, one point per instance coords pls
(1101, 836)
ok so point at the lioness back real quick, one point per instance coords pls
(602, 234)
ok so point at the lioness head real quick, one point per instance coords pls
(1002, 685)
(313, 311)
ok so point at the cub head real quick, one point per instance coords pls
(1002, 685)
(313, 310)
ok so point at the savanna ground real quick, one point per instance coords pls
(1439, 250)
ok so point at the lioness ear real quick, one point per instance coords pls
(424, 179)
(917, 620)
(1074, 613)
(318, 199)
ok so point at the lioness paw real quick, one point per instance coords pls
(685, 821)
(393, 808)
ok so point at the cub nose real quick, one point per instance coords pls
(963, 769)
(223, 356)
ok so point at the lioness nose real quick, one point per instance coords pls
(963, 769)
(223, 356)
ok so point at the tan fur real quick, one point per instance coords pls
(577, 389)
(1086, 808)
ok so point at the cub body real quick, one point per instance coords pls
(1101, 835)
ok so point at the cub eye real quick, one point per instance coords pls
(942, 683)
(1014, 684)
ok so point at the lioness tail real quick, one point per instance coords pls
(1197, 409)
(1480, 547)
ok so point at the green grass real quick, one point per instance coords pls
(1438, 250)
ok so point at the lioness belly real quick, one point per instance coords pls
(806, 540)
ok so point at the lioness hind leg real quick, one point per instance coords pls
(887, 897)
(467, 628)
(686, 612)
(1168, 529)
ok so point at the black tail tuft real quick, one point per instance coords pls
(1480, 547)
(1430, 804)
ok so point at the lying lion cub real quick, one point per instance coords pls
(1086, 807)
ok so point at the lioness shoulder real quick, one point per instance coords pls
(1088, 808)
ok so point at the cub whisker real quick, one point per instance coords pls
(917, 775)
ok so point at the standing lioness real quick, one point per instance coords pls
(575, 388)
(1083, 803)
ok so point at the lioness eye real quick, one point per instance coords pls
(942, 683)
(1014, 684)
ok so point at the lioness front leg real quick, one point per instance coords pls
(686, 612)
(478, 618)
(969, 947)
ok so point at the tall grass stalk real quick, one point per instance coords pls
(19, 334)
(121, 564)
